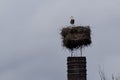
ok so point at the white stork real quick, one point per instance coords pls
(72, 21)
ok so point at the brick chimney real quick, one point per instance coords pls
(76, 68)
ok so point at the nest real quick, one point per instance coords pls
(76, 37)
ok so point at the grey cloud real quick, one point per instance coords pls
(30, 44)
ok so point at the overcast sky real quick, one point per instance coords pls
(30, 43)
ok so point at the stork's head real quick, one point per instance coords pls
(71, 17)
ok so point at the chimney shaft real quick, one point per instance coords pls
(76, 68)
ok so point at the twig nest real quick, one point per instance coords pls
(76, 37)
